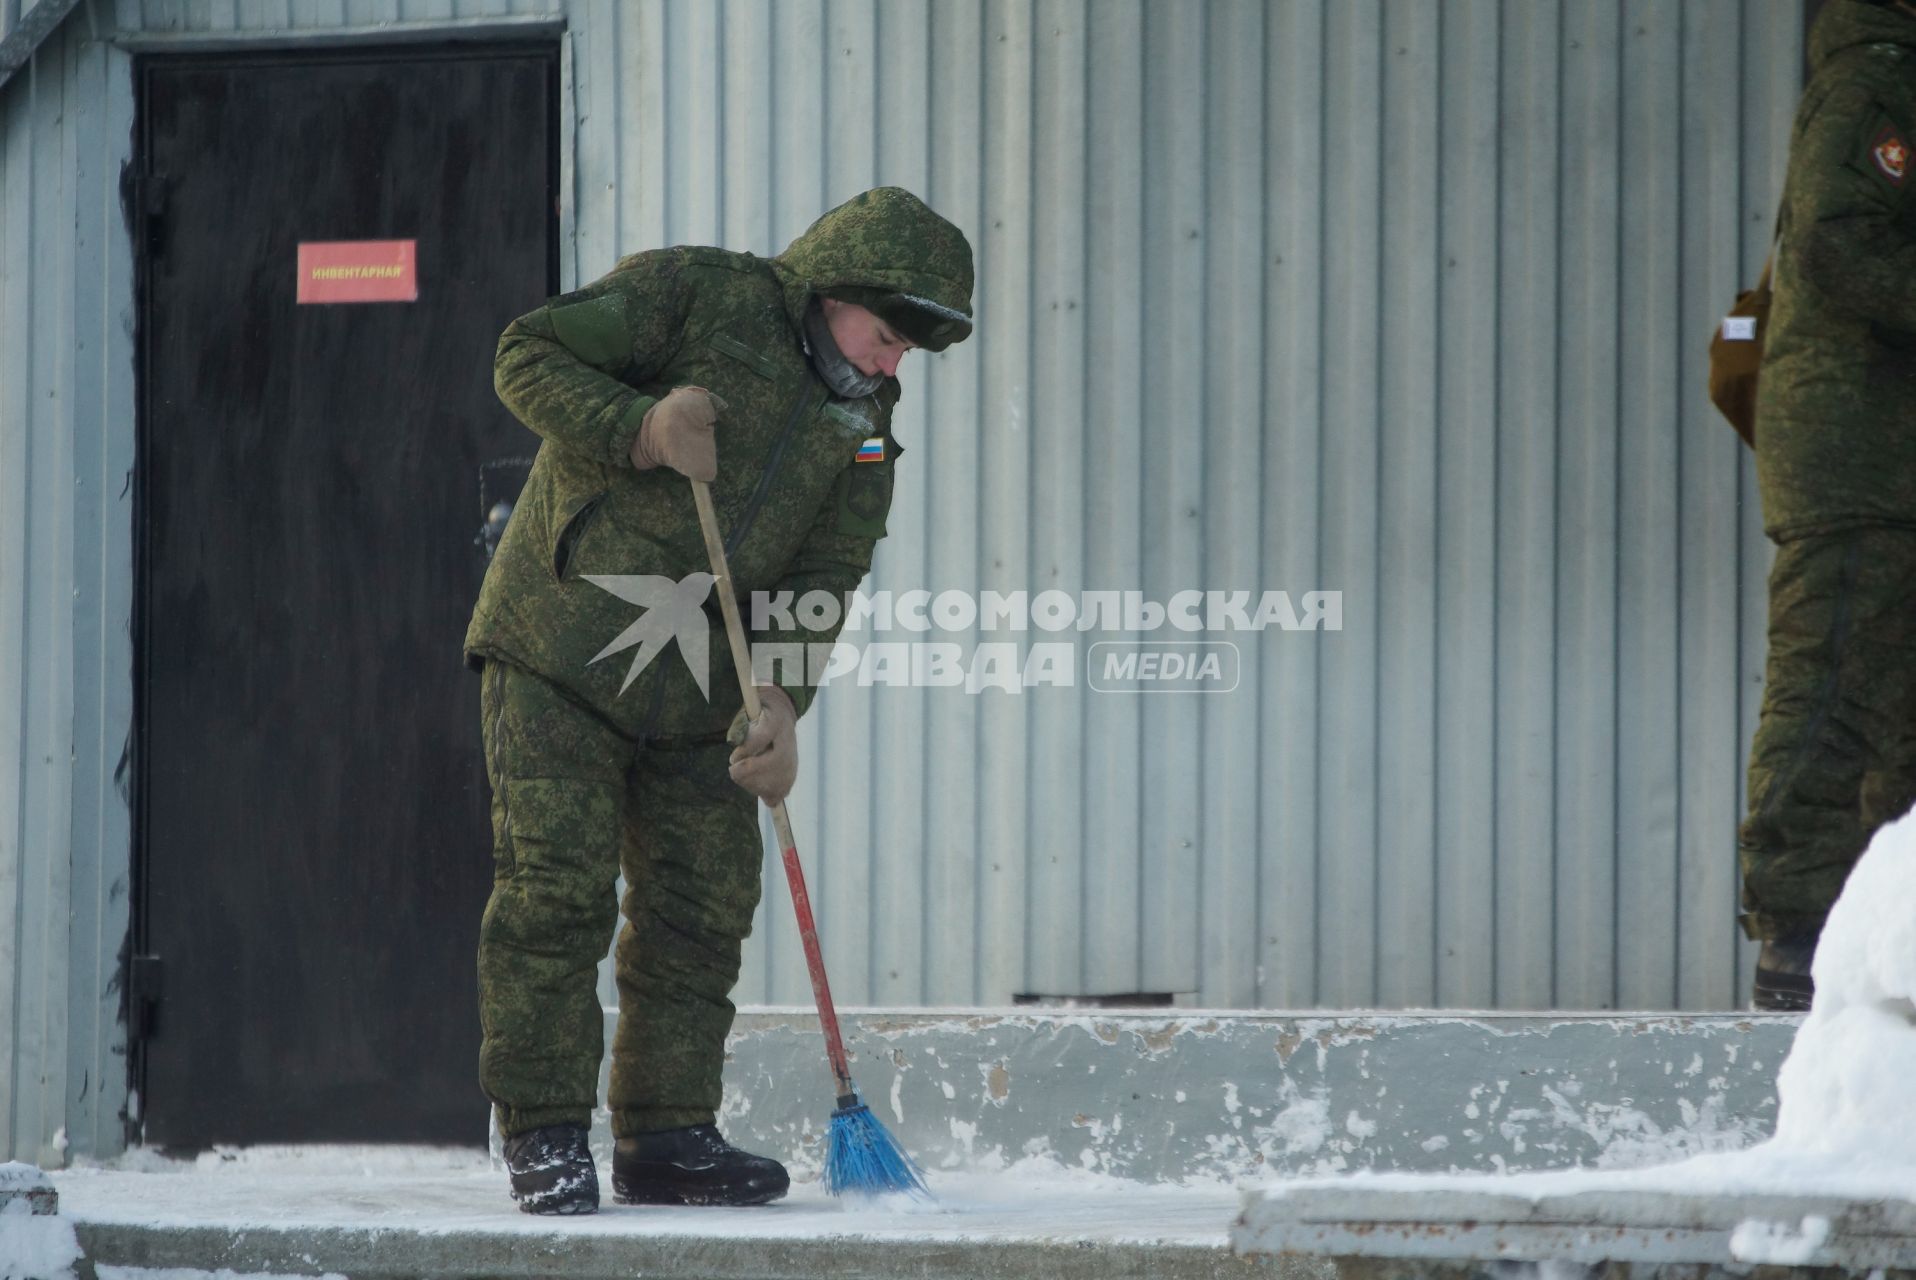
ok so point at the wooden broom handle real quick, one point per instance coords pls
(781, 820)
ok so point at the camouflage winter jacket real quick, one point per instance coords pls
(799, 512)
(1836, 403)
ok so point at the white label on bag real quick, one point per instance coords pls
(1739, 328)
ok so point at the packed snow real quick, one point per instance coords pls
(35, 1246)
(185, 1273)
(442, 1192)
(32, 1246)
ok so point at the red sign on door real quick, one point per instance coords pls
(358, 271)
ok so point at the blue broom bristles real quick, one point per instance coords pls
(863, 1159)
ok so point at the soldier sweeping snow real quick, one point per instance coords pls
(774, 380)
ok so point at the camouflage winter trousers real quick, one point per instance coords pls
(1834, 756)
(573, 804)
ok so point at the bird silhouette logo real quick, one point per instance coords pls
(673, 611)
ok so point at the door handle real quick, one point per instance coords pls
(494, 528)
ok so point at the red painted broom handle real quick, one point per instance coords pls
(781, 820)
(814, 957)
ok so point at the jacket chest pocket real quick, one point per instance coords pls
(862, 495)
(863, 499)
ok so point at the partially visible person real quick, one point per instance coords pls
(1834, 757)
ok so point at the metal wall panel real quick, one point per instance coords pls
(16, 283)
(1386, 297)
(32, 622)
(66, 559)
(101, 403)
(1372, 295)
(65, 597)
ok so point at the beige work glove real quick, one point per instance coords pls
(765, 761)
(676, 432)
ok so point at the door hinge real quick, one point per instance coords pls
(144, 977)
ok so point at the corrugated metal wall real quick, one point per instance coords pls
(1398, 299)
(66, 556)
(66, 451)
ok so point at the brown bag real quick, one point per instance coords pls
(1736, 352)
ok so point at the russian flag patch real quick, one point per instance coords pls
(873, 450)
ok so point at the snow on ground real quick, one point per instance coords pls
(31, 1245)
(184, 1273)
(1846, 1093)
(436, 1191)
(1847, 1110)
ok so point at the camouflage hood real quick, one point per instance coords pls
(1844, 24)
(886, 239)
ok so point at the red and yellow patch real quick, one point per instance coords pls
(1891, 155)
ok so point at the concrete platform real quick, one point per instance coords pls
(382, 1222)
(1094, 1144)
(1410, 1232)
(1642, 1227)
(1183, 1095)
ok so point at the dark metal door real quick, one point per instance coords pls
(315, 850)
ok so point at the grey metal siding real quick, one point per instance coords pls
(66, 565)
(65, 596)
(16, 232)
(1393, 298)
(1400, 299)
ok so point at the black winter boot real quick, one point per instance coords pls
(692, 1166)
(552, 1170)
(1783, 983)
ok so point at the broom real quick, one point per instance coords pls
(861, 1156)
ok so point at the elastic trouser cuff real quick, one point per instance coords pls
(514, 1120)
(630, 1124)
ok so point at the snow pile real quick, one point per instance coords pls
(1846, 1093)
(35, 1246)
(1848, 1089)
